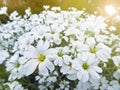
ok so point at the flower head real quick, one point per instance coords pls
(38, 58)
(3, 10)
(87, 67)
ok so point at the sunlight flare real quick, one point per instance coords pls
(110, 9)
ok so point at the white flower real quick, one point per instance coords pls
(117, 74)
(72, 31)
(39, 31)
(28, 11)
(15, 85)
(86, 67)
(40, 78)
(51, 78)
(3, 10)
(24, 44)
(67, 67)
(82, 86)
(14, 16)
(59, 54)
(53, 35)
(114, 85)
(98, 50)
(38, 58)
(46, 7)
(14, 65)
(101, 83)
(64, 85)
(3, 55)
(116, 60)
(44, 86)
(55, 8)
(112, 28)
(93, 24)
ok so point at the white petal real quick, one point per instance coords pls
(94, 74)
(101, 56)
(37, 78)
(104, 47)
(18, 87)
(52, 51)
(72, 76)
(97, 69)
(46, 45)
(83, 48)
(3, 55)
(66, 59)
(33, 49)
(85, 76)
(76, 64)
(117, 74)
(43, 45)
(22, 60)
(50, 66)
(80, 75)
(116, 60)
(85, 56)
(57, 41)
(29, 67)
(12, 76)
(40, 43)
(43, 70)
(90, 41)
(31, 53)
(60, 62)
(64, 70)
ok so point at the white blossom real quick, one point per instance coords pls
(114, 85)
(116, 60)
(38, 57)
(14, 65)
(3, 10)
(117, 75)
(3, 55)
(67, 67)
(15, 85)
(82, 86)
(87, 67)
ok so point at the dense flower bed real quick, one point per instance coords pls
(59, 50)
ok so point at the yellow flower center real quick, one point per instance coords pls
(85, 66)
(60, 54)
(41, 57)
(93, 50)
(17, 64)
(52, 32)
(70, 64)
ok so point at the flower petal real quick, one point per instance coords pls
(43, 70)
(29, 67)
(85, 76)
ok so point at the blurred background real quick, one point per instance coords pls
(37, 5)
(112, 10)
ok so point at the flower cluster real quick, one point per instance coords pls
(60, 50)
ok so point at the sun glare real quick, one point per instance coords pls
(110, 9)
